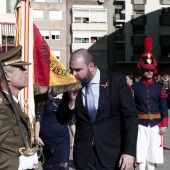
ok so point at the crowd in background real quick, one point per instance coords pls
(163, 79)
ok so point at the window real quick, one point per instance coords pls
(8, 29)
(137, 40)
(55, 15)
(99, 57)
(57, 54)
(138, 50)
(89, 36)
(81, 37)
(89, 16)
(37, 14)
(119, 51)
(117, 10)
(119, 35)
(94, 17)
(138, 29)
(165, 40)
(80, 16)
(98, 36)
(138, 1)
(47, 0)
(39, 0)
(45, 34)
(10, 40)
(165, 53)
(165, 2)
(138, 9)
(9, 6)
(164, 20)
(55, 35)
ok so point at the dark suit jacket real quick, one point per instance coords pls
(115, 126)
(10, 135)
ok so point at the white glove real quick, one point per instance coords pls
(27, 162)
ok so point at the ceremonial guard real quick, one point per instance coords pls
(151, 104)
(14, 126)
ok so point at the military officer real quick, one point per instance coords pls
(10, 135)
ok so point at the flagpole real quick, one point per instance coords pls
(6, 36)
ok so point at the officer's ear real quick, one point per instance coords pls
(7, 75)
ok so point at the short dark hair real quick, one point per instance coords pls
(88, 57)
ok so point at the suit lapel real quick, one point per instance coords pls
(104, 94)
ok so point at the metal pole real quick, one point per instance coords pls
(6, 35)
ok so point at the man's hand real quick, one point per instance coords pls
(72, 97)
(126, 162)
(162, 130)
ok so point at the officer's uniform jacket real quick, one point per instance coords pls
(150, 98)
(10, 135)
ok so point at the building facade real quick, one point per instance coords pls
(50, 18)
(7, 25)
(141, 18)
(112, 30)
(88, 23)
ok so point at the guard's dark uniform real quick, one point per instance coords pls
(150, 99)
(151, 104)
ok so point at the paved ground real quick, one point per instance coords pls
(165, 166)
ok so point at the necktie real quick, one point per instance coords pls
(89, 101)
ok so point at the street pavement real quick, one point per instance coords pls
(165, 166)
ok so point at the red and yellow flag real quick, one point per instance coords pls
(48, 70)
(45, 70)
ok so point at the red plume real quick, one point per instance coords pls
(148, 44)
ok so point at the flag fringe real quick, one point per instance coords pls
(56, 89)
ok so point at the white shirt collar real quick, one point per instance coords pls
(12, 96)
(96, 78)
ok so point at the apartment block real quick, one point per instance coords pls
(141, 18)
(50, 18)
(7, 25)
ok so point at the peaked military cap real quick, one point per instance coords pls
(13, 57)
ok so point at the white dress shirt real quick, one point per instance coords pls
(95, 89)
